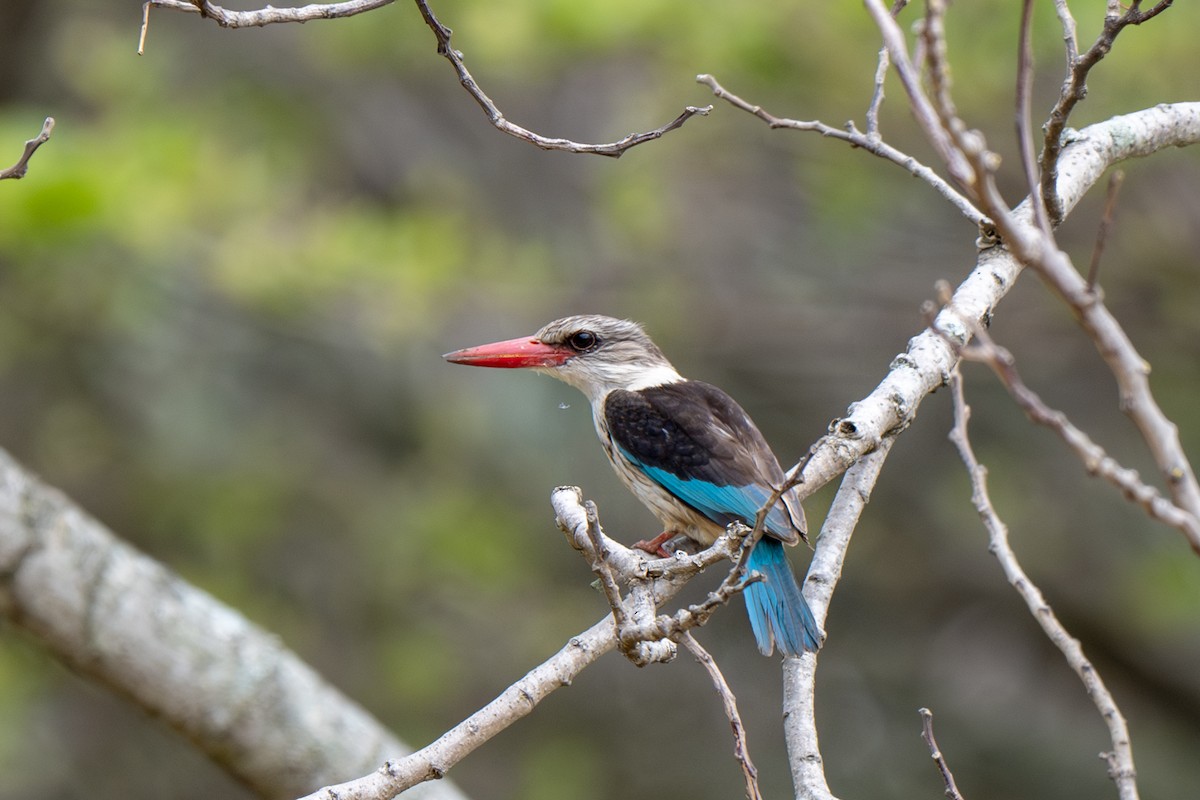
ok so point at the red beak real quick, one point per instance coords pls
(523, 352)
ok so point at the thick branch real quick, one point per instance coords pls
(121, 618)
(799, 674)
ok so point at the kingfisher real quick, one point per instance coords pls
(685, 448)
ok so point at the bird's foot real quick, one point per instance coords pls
(658, 545)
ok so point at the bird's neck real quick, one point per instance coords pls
(600, 379)
(658, 375)
(630, 381)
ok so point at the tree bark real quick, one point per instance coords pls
(117, 616)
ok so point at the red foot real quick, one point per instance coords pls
(655, 546)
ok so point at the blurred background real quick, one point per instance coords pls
(227, 280)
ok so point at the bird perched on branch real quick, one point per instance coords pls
(685, 448)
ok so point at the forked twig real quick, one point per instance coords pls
(643, 635)
(1074, 88)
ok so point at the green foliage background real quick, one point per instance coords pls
(226, 282)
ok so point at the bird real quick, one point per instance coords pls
(685, 448)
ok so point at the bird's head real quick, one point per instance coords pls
(593, 353)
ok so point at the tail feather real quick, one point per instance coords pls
(778, 612)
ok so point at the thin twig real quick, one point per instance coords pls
(1120, 759)
(855, 138)
(257, 18)
(599, 563)
(1070, 38)
(1106, 221)
(18, 170)
(1024, 117)
(881, 70)
(936, 754)
(741, 752)
(612, 149)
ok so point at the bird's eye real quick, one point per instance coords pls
(583, 341)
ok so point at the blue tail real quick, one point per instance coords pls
(778, 613)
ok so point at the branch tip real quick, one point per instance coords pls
(18, 170)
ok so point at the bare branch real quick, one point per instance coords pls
(599, 555)
(258, 18)
(800, 673)
(741, 751)
(926, 363)
(967, 151)
(933, 38)
(868, 141)
(1074, 89)
(1131, 371)
(1120, 760)
(125, 621)
(435, 760)
(877, 95)
(612, 149)
(18, 170)
(1096, 461)
(936, 754)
